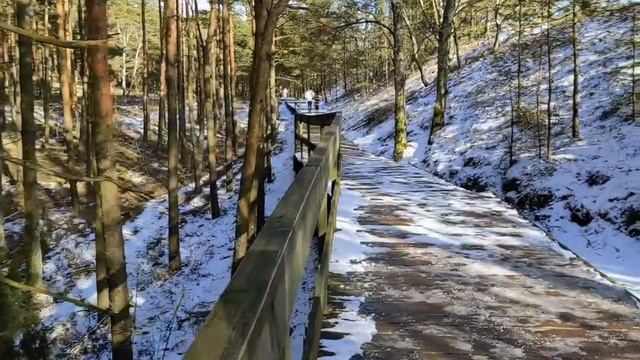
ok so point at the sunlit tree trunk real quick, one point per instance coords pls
(230, 133)
(575, 96)
(145, 74)
(46, 85)
(182, 119)
(14, 132)
(442, 75)
(171, 47)
(519, 62)
(191, 77)
(211, 112)
(107, 193)
(29, 133)
(232, 82)
(3, 124)
(266, 17)
(399, 81)
(66, 84)
(549, 80)
(163, 73)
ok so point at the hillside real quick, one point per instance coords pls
(587, 196)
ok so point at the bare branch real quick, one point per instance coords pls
(58, 296)
(69, 44)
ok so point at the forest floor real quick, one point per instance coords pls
(587, 197)
(168, 310)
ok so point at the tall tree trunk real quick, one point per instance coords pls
(230, 133)
(123, 72)
(3, 124)
(634, 97)
(29, 133)
(575, 96)
(163, 75)
(46, 85)
(145, 74)
(12, 57)
(66, 82)
(211, 112)
(84, 126)
(498, 24)
(455, 43)
(107, 194)
(273, 121)
(538, 120)
(399, 81)
(549, 80)
(182, 118)
(171, 47)
(232, 82)
(444, 33)
(519, 62)
(266, 17)
(191, 78)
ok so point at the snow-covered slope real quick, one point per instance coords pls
(167, 309)
(588, 196)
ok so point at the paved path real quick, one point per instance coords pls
(425, 270)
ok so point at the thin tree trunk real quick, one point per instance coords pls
(538, 120)
(171, 47)
(84, 127)
(11, 53)
(163, 81)
(232, 83)
(442, 76)
(634, 97)
(46, 85)
(134, 75)
(519, 62)
(211, 112)
(230, 134)
(66, 82)
(575, 108)
(123, 73)
(498, 24)
(191, 77)
(182, 118)
(455, 42)
(512, 126)
(145, 74)
(273, 121)
(107, 192)
(549, 80)
(3, 124)
(29, 133)
(399, 81)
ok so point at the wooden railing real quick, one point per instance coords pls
(251, 319)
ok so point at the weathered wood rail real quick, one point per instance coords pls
(251, 319)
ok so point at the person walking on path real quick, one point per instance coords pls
(316, 101)
(309, 95)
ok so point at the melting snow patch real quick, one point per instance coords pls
(355, 328)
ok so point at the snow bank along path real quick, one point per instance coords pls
(425, 269)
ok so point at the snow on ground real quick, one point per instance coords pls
(588, 196)
(168, 310)
(357, 329)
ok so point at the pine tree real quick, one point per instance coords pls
(29, 133)
(108, 214)
(171, 48)
(399, 80)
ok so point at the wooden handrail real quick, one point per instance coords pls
(251, 319)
